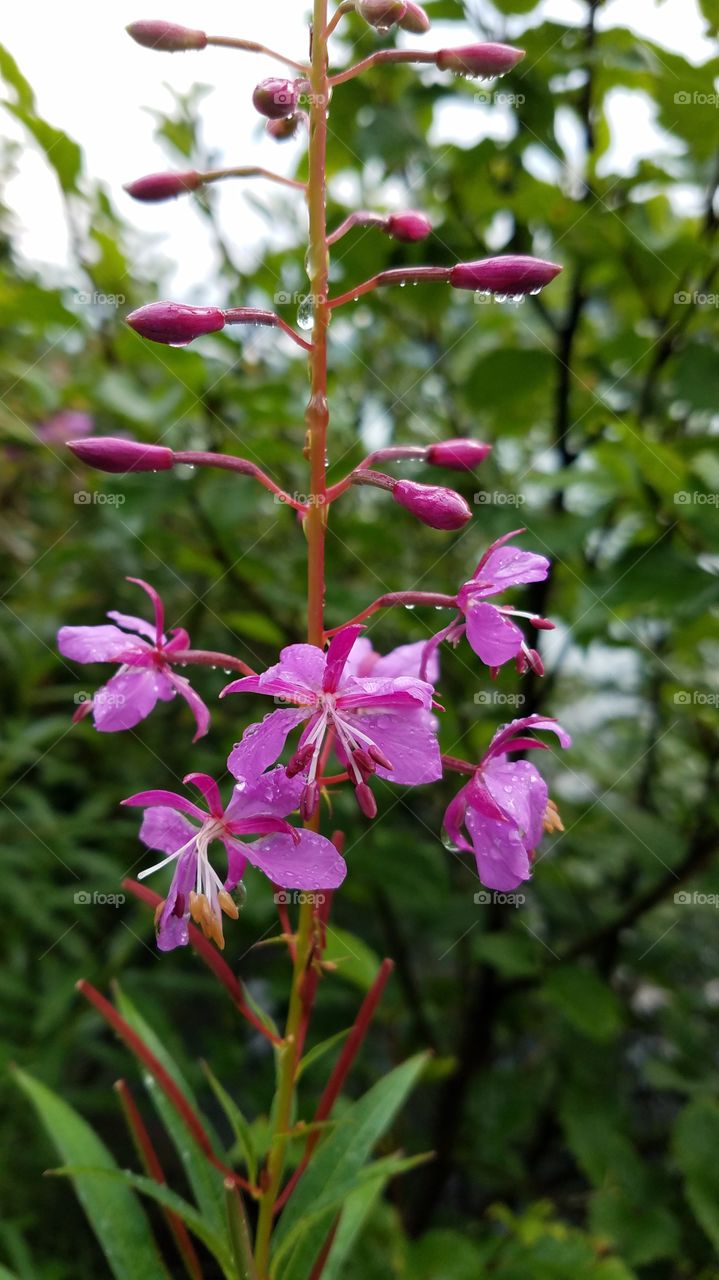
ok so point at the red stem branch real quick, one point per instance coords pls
(394, 599)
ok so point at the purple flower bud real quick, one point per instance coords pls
(175, 323)
(166, 36)
(106, 453)
(438, 507)
(382, 14)
(415, 19)
(284, 128)
(366, 800)
(408, 227)
(458, 455)
(511, 274)
(163, 186)
(479, 59)
(275, 98)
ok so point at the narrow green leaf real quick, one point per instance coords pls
(161, 1194)
(319, 1050)
(334, 1170)
(237, 1121)
(115, 1216)
(356, 962)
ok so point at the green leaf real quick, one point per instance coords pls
(356, 962)
(319, 1050)
(163, 1195)
(115, 1216)
(695, 1144)
(206, 1182)
(238, 1123)
(585, 1001)
(335, 1169)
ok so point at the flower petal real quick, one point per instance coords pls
(270, 793)
(406, 660)
(407, 737)
(507, 567)
(337, 655)
(209, 789)
(502, 858)
(98, 644)
(262, 743)
(131, 623)
(128, 697)
(198, 708)
(521, 793)
(173, 930)
(165, 829)
(149, 799)
(158, 607)
(505, 736)
(491, 634)
(313, 863)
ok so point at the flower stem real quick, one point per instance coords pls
(316, 420)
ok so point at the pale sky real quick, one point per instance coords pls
(92, 81)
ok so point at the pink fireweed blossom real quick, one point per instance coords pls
(405, 660)
(505, 807)
(489, 628)
(145, 677)
(376, 724)
(258, 806)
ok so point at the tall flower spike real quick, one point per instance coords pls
(505, 807)
(145, 655)
(259, 806)
(375, 725)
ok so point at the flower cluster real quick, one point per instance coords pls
(344, 715)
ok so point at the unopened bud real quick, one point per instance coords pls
(415, 19)
(408, 227)
(382, 14)
(479, 59)
(275, 98)
(284, 128)
(164, 186)
(175, 323)
(166, 36)
(458, 455)
(512, 274)
(438, 507)
(106, 453)
(366, 800)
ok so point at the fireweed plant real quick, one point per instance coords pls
(343, 713)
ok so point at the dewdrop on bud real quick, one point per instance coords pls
(512, 274)
(382, 14)
(408, 227)
(457, 455)
(175, 323)
(479, 59)
(166, 36)
(435, 506)
(106, 453)
(163, 186)
(415, 19)
(275, 98)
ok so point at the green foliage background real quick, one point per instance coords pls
(572, 1096)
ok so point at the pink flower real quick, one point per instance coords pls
(145, 676)
(490, 631)
(405, 660)
(259, 806)
(505, 807)
(376, 724)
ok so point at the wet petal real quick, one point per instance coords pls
(314, 863)
(98, 644)
(507, 567)
(267, 793)
(262, 743)
(173, 930)
(195, 703)
(521, 792)
(406, 737)
(131, 623)
(128, 697)
(165, 829)
(337, 655)
(491, 634)
(406, 660)
(502, 858)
